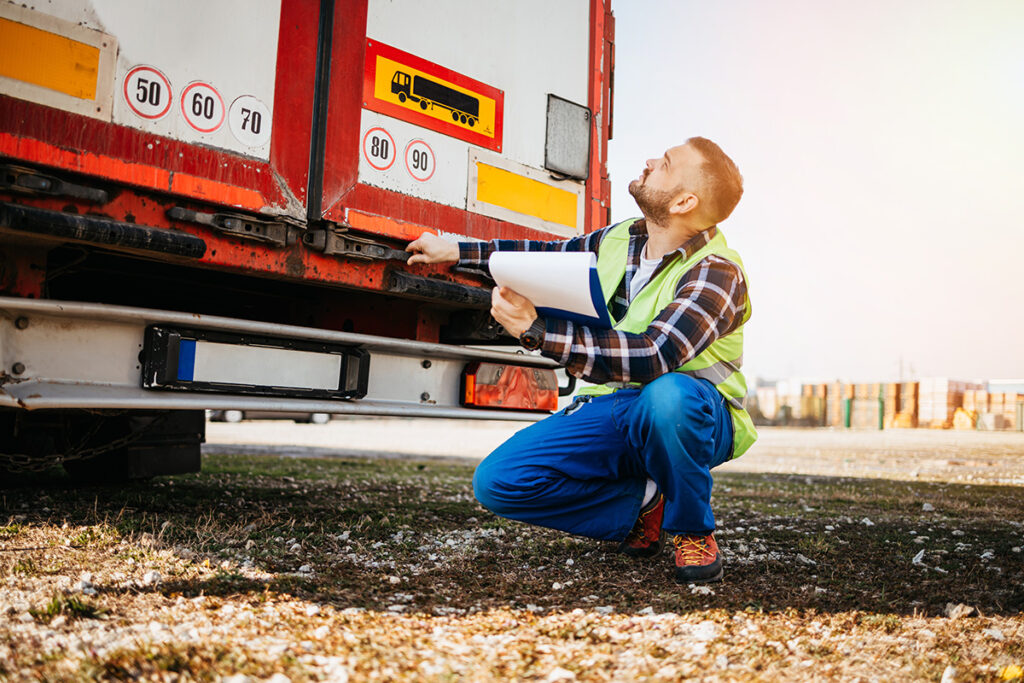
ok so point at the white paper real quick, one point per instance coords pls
(549, 279)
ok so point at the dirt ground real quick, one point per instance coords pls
(849, 557)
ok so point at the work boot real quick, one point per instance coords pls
(697, 559)
(645, 539)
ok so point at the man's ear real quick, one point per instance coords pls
(684, 204)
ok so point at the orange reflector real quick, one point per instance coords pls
(495, 385)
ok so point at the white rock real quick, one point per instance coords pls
(312, 610)
(722, 662)
(237, 678)
(927, 507)
(570, 562)
(560, 674)
(867, 522)
(306, 569)
(58, 621)
(701, 590)
(250, 544)
(604, 609)
(647, 610)
(279, 678)
(994, 632)
(25, 618)
(705, 631)
(151, 577)
(805, 560)
(394, 580)
(296, 547)
(918, 559)
(958, 532)
(557, 586)
(321, 632)
(949, 675)
(344, 535)
(988, 555)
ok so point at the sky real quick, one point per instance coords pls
(882, 149)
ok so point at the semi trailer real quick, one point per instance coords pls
(204, 206)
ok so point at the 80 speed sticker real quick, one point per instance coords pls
(202, 106)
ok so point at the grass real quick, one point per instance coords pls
(820, 577)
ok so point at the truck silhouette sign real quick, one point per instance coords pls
(464, 108)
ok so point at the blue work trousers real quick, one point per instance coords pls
(585, 468)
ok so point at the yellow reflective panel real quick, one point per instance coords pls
(48, 60)
(525, 195)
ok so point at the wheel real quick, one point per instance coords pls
(472, 121)
(319, 418)
(402, 97)
(423, 104)
(232, 416)
(462, 118)
(455, 116)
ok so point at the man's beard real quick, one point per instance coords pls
(653, 203)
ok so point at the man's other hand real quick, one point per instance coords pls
(513, 310)
(430, 248)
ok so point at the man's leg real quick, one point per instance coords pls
(573, 472)
(682, 428)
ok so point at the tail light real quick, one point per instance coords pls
(496, 385)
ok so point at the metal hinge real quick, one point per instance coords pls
(332, 243)
(29, 181)
(279, 232)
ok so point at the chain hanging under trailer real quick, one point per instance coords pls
(23, 462)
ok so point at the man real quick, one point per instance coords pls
(630, 459)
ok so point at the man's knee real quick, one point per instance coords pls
(491, 488)
(673, 397)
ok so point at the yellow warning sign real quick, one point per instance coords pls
(412, 89)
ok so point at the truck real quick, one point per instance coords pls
(204, 207)
(464, 108)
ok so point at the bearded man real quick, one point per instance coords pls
(630, 459)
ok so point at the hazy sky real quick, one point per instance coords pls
(881, 144)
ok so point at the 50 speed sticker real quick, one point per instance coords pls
(249, 120)
(147, 92)
(202, 106)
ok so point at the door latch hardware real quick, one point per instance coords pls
(333, 244)
(28, 181)
(274, 232)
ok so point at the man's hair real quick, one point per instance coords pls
(722, 184)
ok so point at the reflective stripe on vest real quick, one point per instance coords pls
(719, 363)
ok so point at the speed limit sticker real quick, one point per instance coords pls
(147, 92)
(202, 106)
(249, 120)
(379, 148)
(419, 160)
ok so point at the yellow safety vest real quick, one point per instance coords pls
(719, 363)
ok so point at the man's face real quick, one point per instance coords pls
(664, 179)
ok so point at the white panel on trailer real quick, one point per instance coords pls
(527, 49)
(229, 44)
(444, 182)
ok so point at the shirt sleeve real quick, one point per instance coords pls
(710, 302)
(474, 255)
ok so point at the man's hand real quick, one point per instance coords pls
(430, 248)
(513, 310)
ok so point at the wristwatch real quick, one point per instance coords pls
(533, 337)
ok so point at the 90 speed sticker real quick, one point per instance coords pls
(202, 106)
(147, 92)
(249, 120)
(419, 160)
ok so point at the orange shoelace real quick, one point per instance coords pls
(639, 530)
(693, 550)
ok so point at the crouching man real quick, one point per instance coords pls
(630, 459)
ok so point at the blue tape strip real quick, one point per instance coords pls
(186, 360)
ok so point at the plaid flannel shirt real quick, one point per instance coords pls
(710, 301)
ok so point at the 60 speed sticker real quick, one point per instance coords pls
(147, 92)
(202, 106)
